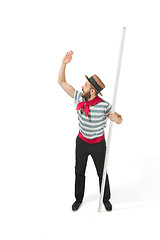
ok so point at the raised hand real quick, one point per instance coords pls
(68, 57)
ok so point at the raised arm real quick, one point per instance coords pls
(61, 76)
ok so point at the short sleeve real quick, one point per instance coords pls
(77, 97)
(108, 109)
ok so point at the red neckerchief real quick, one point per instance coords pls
(85, 104)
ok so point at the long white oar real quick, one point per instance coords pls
(111, 123)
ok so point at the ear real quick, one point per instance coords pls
(95, 93)
(92, 90)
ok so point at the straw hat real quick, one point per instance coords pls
(96, 83)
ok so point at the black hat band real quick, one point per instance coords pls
(94, 83)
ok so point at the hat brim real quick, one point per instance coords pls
(93, 86)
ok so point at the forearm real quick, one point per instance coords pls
(61, 75)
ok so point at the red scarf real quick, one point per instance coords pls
(85, 104)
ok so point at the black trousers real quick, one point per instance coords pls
(97, 151)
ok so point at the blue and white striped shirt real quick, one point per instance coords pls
(92, 125)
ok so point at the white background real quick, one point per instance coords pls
(38, 121)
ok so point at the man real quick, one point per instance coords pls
(92, 113)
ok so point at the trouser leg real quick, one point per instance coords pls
(79, 187)
(80, 167)
(98, 155)
(107, 193)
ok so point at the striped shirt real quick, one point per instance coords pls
(92, 126)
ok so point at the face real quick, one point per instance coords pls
(86, 90)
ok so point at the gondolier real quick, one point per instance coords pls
(92, 112)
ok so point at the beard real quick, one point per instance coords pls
(86, 95)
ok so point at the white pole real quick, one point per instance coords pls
(111, 123)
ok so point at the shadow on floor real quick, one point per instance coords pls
(144, 191)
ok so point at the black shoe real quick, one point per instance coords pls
(108, 206)
(75, 206)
